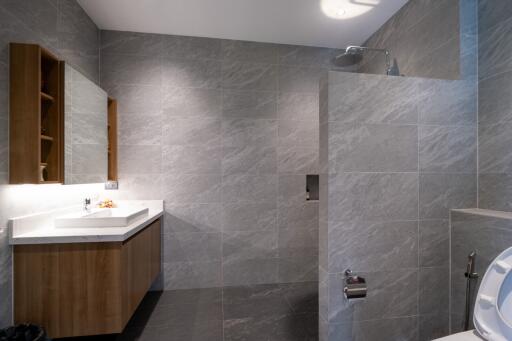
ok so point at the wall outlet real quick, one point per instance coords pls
(111, 185)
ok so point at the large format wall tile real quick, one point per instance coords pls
(441, 192)
(117, 42)
(376, 99)
(493, 101)
(448, 149)
(495, 191)
(373, 196)
(204, 74)
(192, 218)
(391, 294)
(495, 154)
(373, 148)
(366, 246)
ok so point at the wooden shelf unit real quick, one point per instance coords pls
(112, 139)
(36, 121)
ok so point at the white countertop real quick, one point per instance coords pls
(40, 228)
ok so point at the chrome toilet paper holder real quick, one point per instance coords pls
(355, 286)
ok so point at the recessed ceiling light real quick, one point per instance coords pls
(346, 9)
(340, 12)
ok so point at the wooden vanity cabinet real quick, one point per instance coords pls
(81, 289)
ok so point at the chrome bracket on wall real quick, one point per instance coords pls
(355, 286)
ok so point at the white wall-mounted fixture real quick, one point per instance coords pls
(346, 9)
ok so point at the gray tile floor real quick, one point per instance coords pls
(269, 312)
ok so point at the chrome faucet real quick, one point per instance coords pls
(87, 204)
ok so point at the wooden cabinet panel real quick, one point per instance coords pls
(84, 288)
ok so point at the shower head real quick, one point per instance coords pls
(354, 55)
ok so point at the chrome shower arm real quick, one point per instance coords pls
(358, 49)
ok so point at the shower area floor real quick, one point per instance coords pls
(267, 312)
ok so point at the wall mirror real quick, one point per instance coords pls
(85, 129)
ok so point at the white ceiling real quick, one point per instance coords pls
(300, 22)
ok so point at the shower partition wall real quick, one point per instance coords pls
(396, 154)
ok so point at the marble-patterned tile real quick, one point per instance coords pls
(365, 246)
(373, 99)
(495, 191)
(249, 216)
(488, 236)
(135, 99)
(298, 106)
(298, 242)
(140, 186)
(246, 51)
(249, 245)
(297, 160)
(90, 159)
(191, 159)
(249, 104)
(40, 16)
(299, 268)
(441, 192)
(128, 69)
(249, 76)
(77, 31)
(300, 216)
(390, 295)
(494, 49)
(373, 196)
(192, 188)
(87, 97)
(493, 100)
(292, 189)
(492, 12)
(448, 149)
(447, 102)
(249, 188)
(404, 328)
(434, 245)
(135, 159)
(495, 155)
(255, 301)
(273, 327)
(190, 48)
(249, 160)
(300, 79)
(249, 132)
(143, 44)
(192, 131)
(204, 74)
(130, 131)
(191, 102)
(298, 133)
(433, 326)
(296, 55)
(192, 218)
(241, 271)
(192, 247)
(185, 275)
(373, 147)
(434, 284)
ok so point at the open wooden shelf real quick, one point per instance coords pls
(112, 139)
(36, 121)
(47, 138)
(46, 97)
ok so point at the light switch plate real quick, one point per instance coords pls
(111, 185)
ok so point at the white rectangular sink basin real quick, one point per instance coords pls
(102, 217)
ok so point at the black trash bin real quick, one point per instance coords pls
(23, 332)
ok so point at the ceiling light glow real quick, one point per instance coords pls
(346, 9)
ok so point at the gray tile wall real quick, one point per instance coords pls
(495, 115)
(64, 28)
(431, 39)
(488, 235)
(225, 132)
(395, 155)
